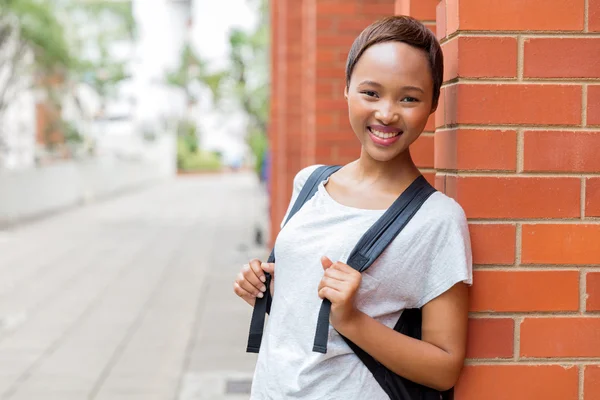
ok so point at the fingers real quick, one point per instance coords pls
(333, 283)
(247, 281)
(326, 262)
(330, 294)
(336, 274)
(269, 268)
(255, 265)
(249, 287)
(247, 297)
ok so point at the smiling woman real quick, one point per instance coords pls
(393, 77)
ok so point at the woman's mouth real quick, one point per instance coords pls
(384, 138)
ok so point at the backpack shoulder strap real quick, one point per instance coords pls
(310, 187)
(375, 241)
(263, 306)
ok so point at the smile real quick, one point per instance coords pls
(384, 138)
(384, 135)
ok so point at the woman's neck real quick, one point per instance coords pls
(397, 173)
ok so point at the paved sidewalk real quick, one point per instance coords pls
(131, 299)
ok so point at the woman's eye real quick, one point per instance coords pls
(370, 93)
(409, 99)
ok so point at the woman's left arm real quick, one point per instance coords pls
(435, 361)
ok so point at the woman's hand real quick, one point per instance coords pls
(339, 285)
(250, 282)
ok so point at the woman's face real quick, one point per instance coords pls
(389, 98)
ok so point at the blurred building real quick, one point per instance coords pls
(143, 107)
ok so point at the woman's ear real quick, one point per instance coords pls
(346, 92)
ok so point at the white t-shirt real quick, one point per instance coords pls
(429, 256)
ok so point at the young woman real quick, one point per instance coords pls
(393, 77)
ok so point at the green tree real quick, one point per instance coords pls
(31, 27)
(44, 39)
(193, 71)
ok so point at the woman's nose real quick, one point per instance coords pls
(387, 115)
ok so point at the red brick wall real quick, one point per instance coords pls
(516, 145)
(515, 141)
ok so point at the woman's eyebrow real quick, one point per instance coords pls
(413, 88)
(372, 83)
(379, 85)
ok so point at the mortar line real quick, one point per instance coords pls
(535, 221)
(568, 362)
(508, 127)
(584, 104)
(517, 338)
(581, 377)
(582, 196)
(533, 314)
(583, 291)
(520, 57)
(532, 268)
(519, 241)
(586, 15)
(520, 150)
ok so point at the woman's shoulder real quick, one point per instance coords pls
(302, 176)
(442, 211)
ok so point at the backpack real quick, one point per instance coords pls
(366, 251)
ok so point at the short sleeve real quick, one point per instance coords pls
(452, 260)
(299, 181)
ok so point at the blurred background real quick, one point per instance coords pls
(132, 166)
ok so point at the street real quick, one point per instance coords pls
(130, 298)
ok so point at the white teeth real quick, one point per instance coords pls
(383, 135)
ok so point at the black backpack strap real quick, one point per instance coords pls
(374, 242)
(262, 306)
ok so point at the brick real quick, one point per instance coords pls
(479, 57)
(430, 127)
(326, 55)
(521, 291)
(331, 105)
(451, 16)
(354, 25)
(535, 104)
(592, 197)
(326, 24)
(440, 182)
(423, 10)
(422, 151)
(376, 8)
(593, 291)
(440, 30)
(440, 112)
(561, 151)
(562, 58)
(430, 176)
(591, 381)
(560, 337)
(518, 382)
(560, 244)
(518, 197)
(515, 15)
(335, 40)
(490, 338)
(463, 149)
(593, 105)
(492, 243)
(336, 8)
(594, 16)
